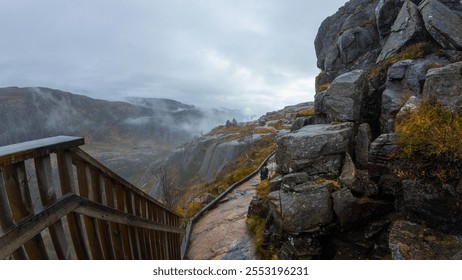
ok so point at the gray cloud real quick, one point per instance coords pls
(256, 56)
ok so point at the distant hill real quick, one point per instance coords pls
(124, 135)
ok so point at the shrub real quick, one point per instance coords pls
(306, 113)
(415, 51)
(323, 87)
(263, 189)
(429, 141)
(256, 227)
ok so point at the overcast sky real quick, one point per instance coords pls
(252, 55)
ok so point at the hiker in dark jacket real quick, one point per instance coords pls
(264, 172)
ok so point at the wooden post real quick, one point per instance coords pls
(48, 196)
(90, 223)
(97, 183)
(17, 187)
(120, 198)
(114, 228)
(66, 178)
(6, 218)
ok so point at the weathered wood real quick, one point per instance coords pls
(27, 150)
(124, 233)
(114, 228)
(90, 224)
(66, 178)
(6, 219)
(134, 236)
(26, 230)
(97, 183)
(121, 221)
(48, 195)
(17, 188)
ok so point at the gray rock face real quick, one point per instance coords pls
(437, 204)
(294, 179)
(385, 14)
(363, 142)
(218, 155)
(347, 40)
(407, 29)
(404, 79)
(308, 207)
(410, 241)
(379, 154)
(445, 84)
(314, 149)
(348, 177)
(443, 24)
(344, 98)
(351, 210)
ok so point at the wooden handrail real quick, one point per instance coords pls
(92, 213)
(25, 230)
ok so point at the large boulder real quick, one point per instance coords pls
(344, 98)
(351, 210)
(380, 153)
(315, 149)
(404, 79)
(410, 241)
(347, 40)
(303, 208)
(407, 29)
(385, 14)
(445, 84)
(363, 142)
(443, 24)
(438, 204)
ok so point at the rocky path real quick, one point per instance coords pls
(221, 233)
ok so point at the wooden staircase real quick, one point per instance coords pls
(85, 210)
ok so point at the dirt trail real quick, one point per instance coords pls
(221, 233)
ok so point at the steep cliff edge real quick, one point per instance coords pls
(376, 173)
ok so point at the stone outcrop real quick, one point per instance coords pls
(443, 24)
(435, 204)
(342, 193)
(404, 79)
(410, 241)
(343, 100)
(445, 84)
(352, 27)
(407, 29)
(351, 210)
(302, 208)
(315, 149)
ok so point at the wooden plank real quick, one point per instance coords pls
(6, 219)
(17, 188)
(90, 224)
(142, 232)
(27, 150)
(66, 178)
(114, 228)
(146, 233)
(48, 195)
(97, 183)
(134, 238)
(124, 233)
(26, 230)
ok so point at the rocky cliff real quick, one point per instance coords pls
(349, 187)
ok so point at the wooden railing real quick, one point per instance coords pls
(93, 214)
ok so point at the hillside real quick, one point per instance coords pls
(123, 135)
